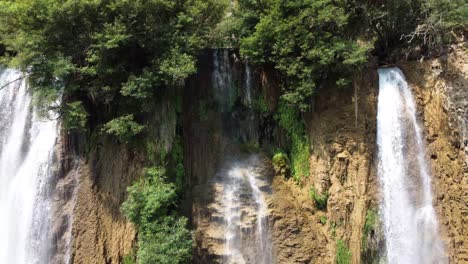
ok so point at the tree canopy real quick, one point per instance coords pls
(113, 55)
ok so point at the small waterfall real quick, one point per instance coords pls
(26, 150)
(245, 211)
(248, 85)
(223, 84)
(251, 122)
(243, 183)
(409, 219)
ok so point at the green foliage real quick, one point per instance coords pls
(75, 116)
(300, 158)
(320, 200)
(290, 120)
(149, 198)
(165, 241)
(307, 41)
(372, 219)
(116, 55)
(440, 19)
(250, 147)
(399, 23)
(281, 164)
(163, 236)
(177, 156)
(314, 43)
(203, 110)
(333, 229)
(130, 258)
(323, 220)
(244, 15)
(124, 128)
(343, 254)
(260, 105)
(448, 14)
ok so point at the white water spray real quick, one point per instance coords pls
(26, 148)
(246, 215)
(244, 209)
(409, 219)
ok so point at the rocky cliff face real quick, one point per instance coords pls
(91, 187)
(342, 135)
(89, 194)
(341, 164)
(342, 130)
(441, 87)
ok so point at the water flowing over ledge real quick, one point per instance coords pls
(27, 142)
(245, 213)
(409, 219)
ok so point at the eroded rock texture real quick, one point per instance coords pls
(441, 87)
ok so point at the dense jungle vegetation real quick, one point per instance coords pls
(111, 60)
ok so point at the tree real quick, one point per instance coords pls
(307, 41)
(114, 56)
(163, 235)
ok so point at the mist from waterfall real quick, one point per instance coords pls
(243, 186)
(409, 219)
(26, 148)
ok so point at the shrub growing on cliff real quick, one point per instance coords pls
(165, 241)
(75, 116)
(124, 128)
(163, 236)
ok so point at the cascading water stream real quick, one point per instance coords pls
(409, 219)
(26, 148)
(246, 215)
(244, 208)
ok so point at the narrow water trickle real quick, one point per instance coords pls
(409, 219)
(26, 149)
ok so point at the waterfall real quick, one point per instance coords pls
(409, 219)
(26, 148)
(248, 85)
(242, 178)
(245, 211)
(223, 84)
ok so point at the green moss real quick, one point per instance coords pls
(333, 229)
(130, 258)
(300, 157)
(250, 147)
(320, 200)
(280, 164)
(323, 220)
(203, 110)
(290, 120)
(177, 156)
(371, 221)
(260, 105)
(343, 254)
